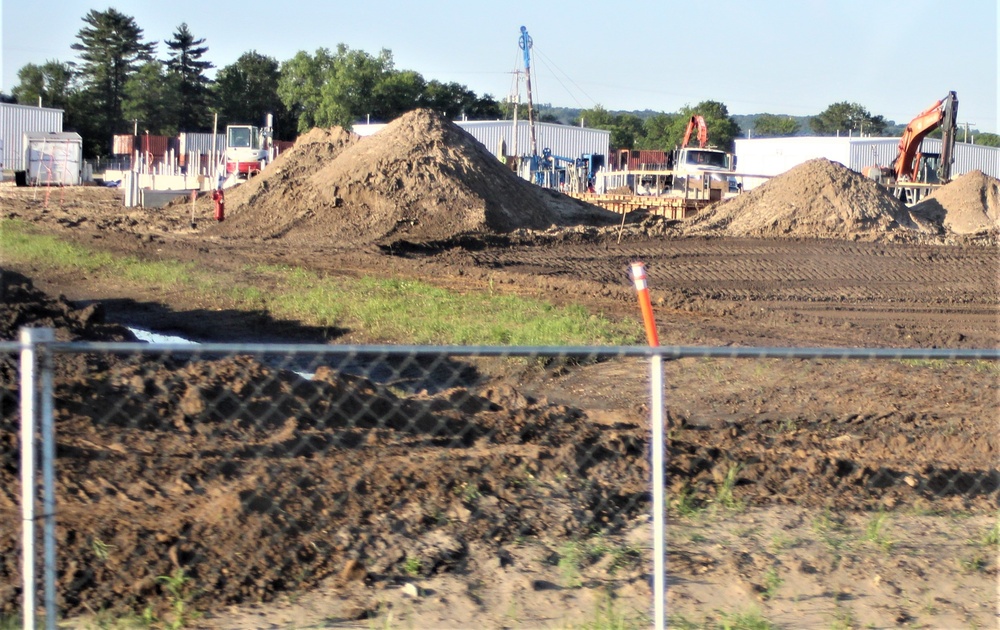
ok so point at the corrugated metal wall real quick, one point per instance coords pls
(563, 140)
(200, 143)
(15, 120)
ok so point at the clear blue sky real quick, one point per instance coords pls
(894, 57)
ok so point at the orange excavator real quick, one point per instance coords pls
(699, 122)
(910, 164)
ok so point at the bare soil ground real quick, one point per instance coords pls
(817, 493)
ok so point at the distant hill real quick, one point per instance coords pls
(569, 115)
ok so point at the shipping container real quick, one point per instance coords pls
(643, 160)
(155, 146)
(15, 121)
(53, 159)
(123, 144)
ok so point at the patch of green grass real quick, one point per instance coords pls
(750, 620)
(180, 591)
(607, 616)
(831, 532)
(684, 503)
(391, 310)
(978, 365)
(772, 582)
(973, 564)
(992, 536)
(724, 496)
(571, 556)
(412, 566)
(875, 532)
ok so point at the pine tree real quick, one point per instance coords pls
(111, 48)
(186, 74)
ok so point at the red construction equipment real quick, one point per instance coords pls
(699, 122)
(219, 197)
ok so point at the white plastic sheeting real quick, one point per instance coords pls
(53, 159)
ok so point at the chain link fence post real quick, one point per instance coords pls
(37, 411)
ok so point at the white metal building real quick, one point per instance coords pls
(563, 140)
(15, 121)
(773, 156)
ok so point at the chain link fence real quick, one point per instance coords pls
(325, 486)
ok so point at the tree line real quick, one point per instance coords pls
(118, 86)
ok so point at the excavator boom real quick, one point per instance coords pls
(942, 113)
(699, 122)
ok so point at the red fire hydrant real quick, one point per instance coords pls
(219, 198)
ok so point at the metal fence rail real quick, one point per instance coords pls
(252, 470)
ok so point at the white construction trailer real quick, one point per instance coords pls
(52, 159)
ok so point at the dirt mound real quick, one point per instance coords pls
(293, 478)
(21, 305)
(968, 205)
(816, 199)
(422, 178)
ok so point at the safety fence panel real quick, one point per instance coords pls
(321, 486)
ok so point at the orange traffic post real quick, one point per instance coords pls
(641, 287)
(657, 413)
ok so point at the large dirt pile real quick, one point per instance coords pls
(816, 199)
(968, 205)
(422, 178)
(271, 202)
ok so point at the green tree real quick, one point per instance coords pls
(722, 128)
(300, 85)
(51, 83)
(147, 102)
(771, 126)
(396, 94)
(627, 132)
(988, 139)
(657, 132)
(111, 47)
(626, 129)
(246, 91)
(845, 118)
(340, 88)
(454, 100)
(595, 118)
(348, 92)
(186, 71)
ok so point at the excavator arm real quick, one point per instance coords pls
(943, 112)
(699, 122)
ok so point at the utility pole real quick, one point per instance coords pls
(525, 44)
(966, 138)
